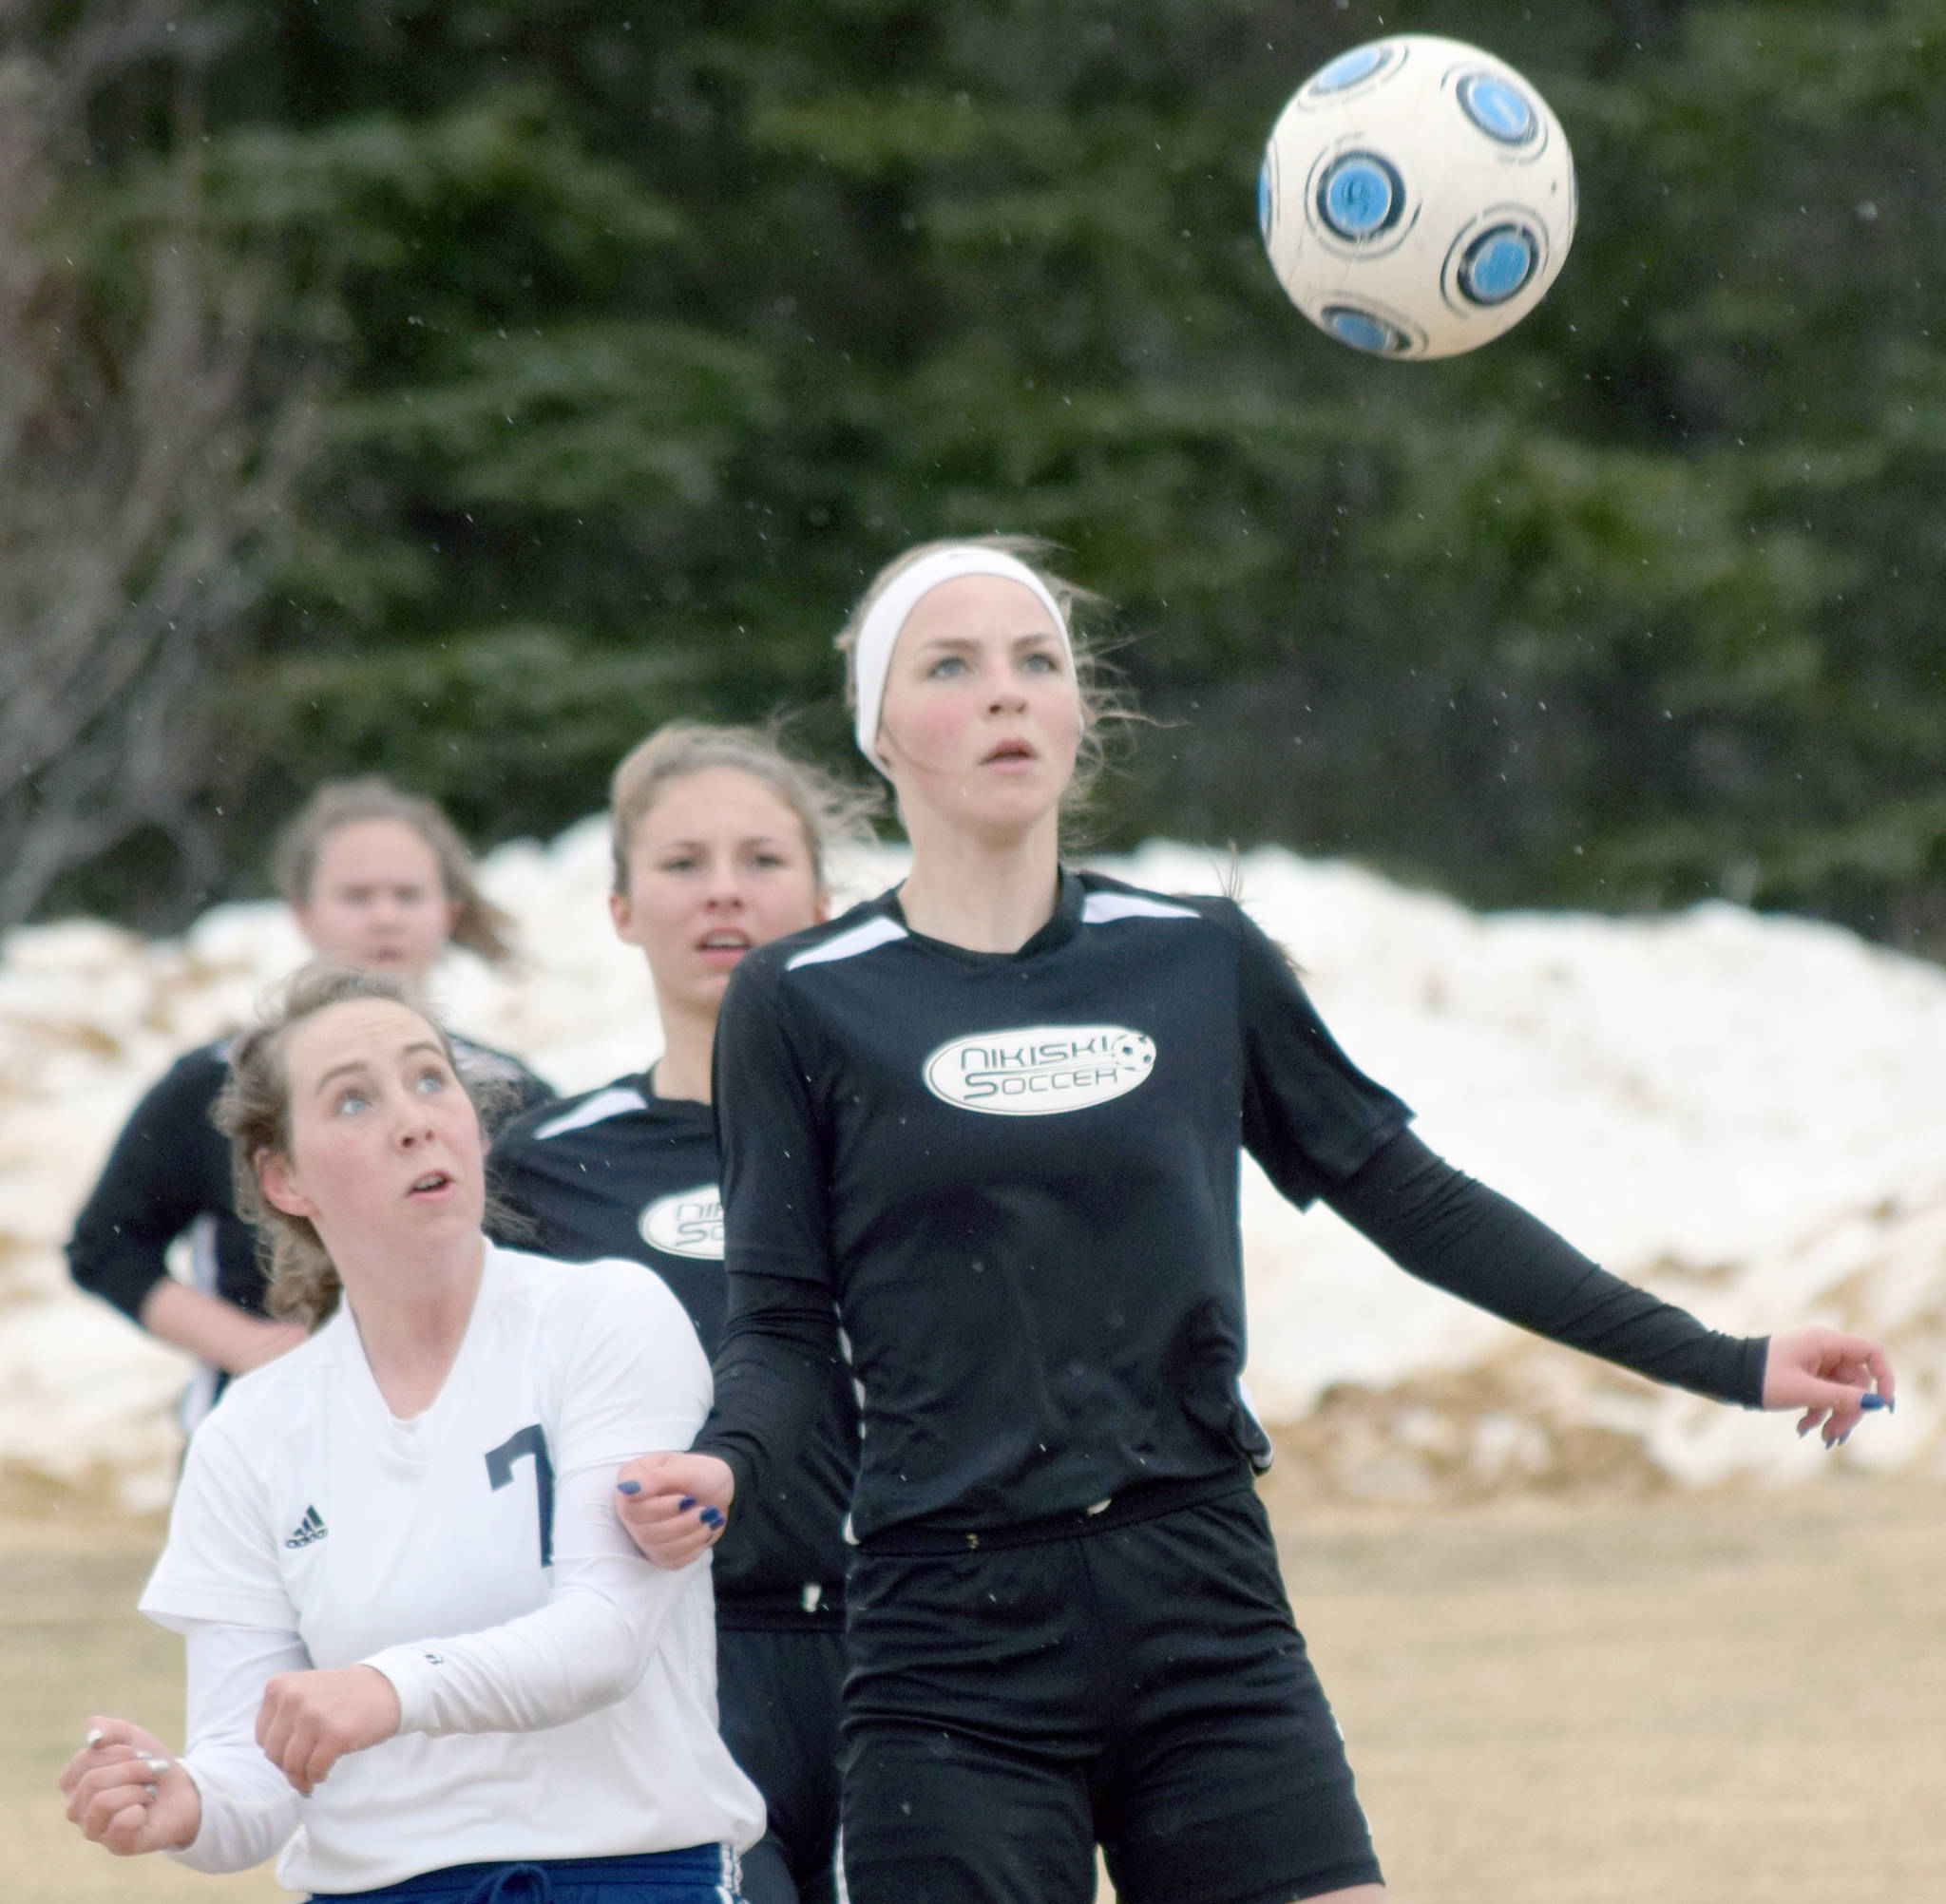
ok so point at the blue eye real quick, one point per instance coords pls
(946, 663)
(349, 1102)
(1041, 661)
(429, 1080)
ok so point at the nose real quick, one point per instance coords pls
(1005, 692)
(723, 887)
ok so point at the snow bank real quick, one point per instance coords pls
(1746, 1114)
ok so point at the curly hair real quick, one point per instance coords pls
(254, 1111)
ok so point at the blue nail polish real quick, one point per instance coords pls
(1873, 1401)
(1845, 1437)
(711, 1516)
(1803, 1431)
(684, 1505)
(628, 1487)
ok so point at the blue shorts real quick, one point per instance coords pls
(701, 1873)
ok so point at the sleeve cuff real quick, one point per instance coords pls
(413, 1672)
(197, 1847)
(742, 1469)
(1756, 1359)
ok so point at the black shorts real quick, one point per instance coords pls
(1141, 1686)
(777, 1692)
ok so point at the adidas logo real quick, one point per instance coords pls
(311, 1527)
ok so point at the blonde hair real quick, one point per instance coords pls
(254, 1111)
(481, 926)
(1103, 700)
(831, 812)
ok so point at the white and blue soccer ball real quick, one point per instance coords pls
(1417, 196)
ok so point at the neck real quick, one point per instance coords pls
(683, 1070)
(983, 894)
(412, 1317)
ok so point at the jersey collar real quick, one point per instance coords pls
(671, 1110)
(1061, 927)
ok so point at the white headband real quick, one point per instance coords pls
(871, 657)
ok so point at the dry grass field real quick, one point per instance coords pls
(1721, 1699)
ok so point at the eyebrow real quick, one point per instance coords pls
(961, 642)
(748, 840)
(366, 1064)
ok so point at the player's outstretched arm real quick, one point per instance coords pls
(1458, 1234)
(673, 1506)
(126, 1792)
(1833, 1377)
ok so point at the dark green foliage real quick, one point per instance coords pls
(655, 329)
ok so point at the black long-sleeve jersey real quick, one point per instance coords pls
(1016, 1177)
(622, 1173)
(169, 1171)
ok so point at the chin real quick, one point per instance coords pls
(1012, 809)
(704, 992)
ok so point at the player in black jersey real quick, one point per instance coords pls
(719, 844)
(377, 878)
(993, 1119)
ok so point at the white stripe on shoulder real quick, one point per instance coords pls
(864, 938)
(1104, 908)
(604, 1104)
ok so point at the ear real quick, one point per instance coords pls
(621, 910)
(453, 909)
(821, 909)
(278, 1183)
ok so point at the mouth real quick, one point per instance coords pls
(727, 942)
(433, 1184)
(1009, 753)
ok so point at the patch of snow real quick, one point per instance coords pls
(1743, 1113)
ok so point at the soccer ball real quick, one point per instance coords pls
(1417, 196)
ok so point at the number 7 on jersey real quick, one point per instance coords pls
(500, 1460)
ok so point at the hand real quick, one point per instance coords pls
(1829, 1375)
(673, 1506)
(309, 1721)
(126, 1792)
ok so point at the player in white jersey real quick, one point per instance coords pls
(422, 1652)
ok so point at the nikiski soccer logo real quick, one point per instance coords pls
(1041, 1069)
(690, 1223)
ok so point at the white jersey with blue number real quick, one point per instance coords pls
(558, 1692)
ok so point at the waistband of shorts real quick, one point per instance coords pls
(643, 1870)
(810, 1610)
(1145, 1503)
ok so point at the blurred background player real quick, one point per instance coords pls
(989, 1124)
(720, 842)
(377, 879)
(417, 1636)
